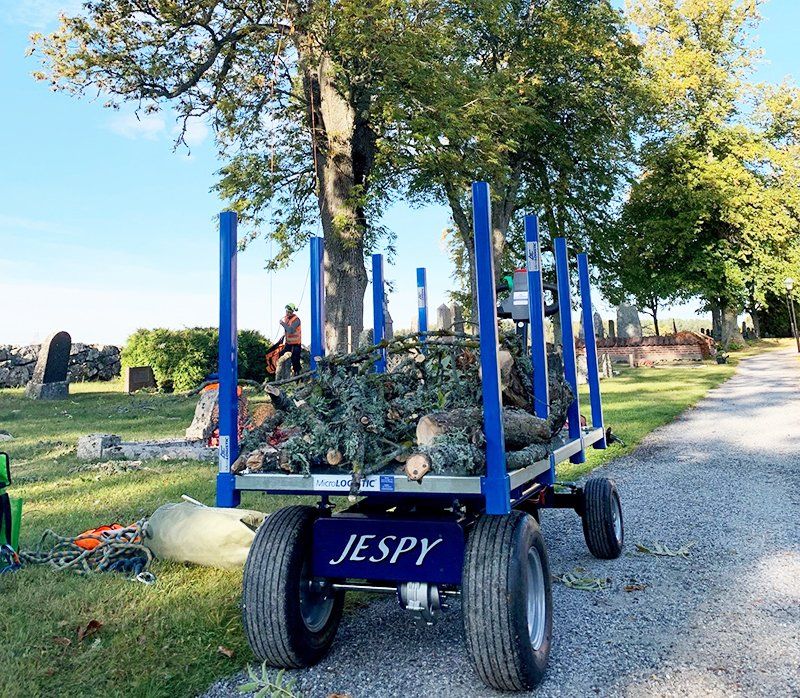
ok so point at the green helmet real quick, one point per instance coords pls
(291, 307)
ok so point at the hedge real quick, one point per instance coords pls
(181, 359)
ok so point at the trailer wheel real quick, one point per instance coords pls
(507, 601)
(603, 529)
(290, 619)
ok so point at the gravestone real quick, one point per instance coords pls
(388, 323)
(628, 323)
(49, 381)
(597, 322)
(599, 330)
(138, 377)
(458, 318)
(444, 318)
(611, 330)
(206, 416)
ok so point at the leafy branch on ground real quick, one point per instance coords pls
(269, 684)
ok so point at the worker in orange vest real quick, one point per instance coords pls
(292, 336)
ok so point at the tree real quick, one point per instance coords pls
(717, 196)
(298, 94)
(540, 98)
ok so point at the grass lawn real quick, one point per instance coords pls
(163, 640)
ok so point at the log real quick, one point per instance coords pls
(520, 428)
(465, 459)
(278, 397)
(526, 456)
(334, 456)
(417, 466)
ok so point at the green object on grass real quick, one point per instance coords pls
(14, 504)
(16, 519)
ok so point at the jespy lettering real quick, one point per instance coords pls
(364, 548)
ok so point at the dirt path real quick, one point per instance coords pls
(723, 621)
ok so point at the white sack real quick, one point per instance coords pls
(208, 536)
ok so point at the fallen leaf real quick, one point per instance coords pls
(338, 695)
(635, 586)
(225, 651)
(575, 580)
(63, 641)
(90, 628)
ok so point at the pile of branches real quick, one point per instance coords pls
(423, 415)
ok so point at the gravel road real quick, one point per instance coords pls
(724, 621)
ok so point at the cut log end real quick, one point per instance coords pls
(417, 466)
(334, 457)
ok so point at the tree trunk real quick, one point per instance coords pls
(716, 320)
(730, 331)
(503, 209)
(344, 148)
(655, 320)
(463, 223)
(756, 323)
(520, 428)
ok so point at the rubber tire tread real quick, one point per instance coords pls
(598, 521)
(271, 576)
(488, 607)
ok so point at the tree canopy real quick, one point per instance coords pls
(713, 213)
(299, 94)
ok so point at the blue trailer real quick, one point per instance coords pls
(430, 541)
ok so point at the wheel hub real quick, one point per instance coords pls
(537, 603)
(316, 601)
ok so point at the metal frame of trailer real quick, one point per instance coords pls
(416, 538)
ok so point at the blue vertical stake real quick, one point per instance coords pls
(379, 321)
(592, 368)
(317, 299)
(568, 343)
(541, 388)
(422, 303)
(496, 483)
(227, 495)
(533, 265)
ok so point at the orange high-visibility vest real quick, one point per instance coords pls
(293, 333)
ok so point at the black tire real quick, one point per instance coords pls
(283, 630)
(603, 528)
(508, 652)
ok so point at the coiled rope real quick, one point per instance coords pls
(119, 550)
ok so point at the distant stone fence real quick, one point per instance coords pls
(87, 362)
(684, 346)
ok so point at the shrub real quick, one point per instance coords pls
(183, 358)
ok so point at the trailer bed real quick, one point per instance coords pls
(391, 482)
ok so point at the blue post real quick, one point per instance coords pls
(496, 483)
(227, 495)
(317, 299)
(422, 303)
(541, 387)
(378, 319)
(568, 343)
(533, 256)
(592, 370)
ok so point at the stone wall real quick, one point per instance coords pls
(87, 362)
(684, 346)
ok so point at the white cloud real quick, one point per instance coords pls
(196, 132)
(131, 126)
(38, 14)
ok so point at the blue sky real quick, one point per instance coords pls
(105, 228)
